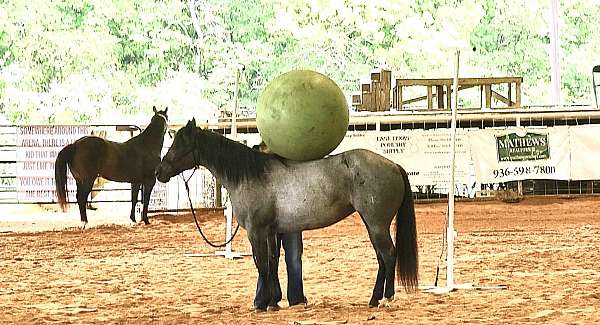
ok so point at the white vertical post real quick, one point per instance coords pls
(555, 54)
(228, 208)
(450, 229)
(228, 252)
(235, 105)
(450, 285)
(519, 183)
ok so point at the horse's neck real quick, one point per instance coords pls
(153, 136)
(210, 159)
(214, 153)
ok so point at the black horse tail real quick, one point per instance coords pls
(407, 253)
(65, 157)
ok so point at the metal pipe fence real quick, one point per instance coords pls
(205, 188)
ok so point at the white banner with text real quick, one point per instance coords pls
(424, 154)
(509, 154)
(585, 152)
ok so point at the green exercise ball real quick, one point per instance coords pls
(302, 115)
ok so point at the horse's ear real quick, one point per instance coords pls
(154, 109)
(166, 109)
(191, 123)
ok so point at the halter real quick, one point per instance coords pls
(187, 188)
(163, 116)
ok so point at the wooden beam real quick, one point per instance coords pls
(461, 81)
(420, 98)
(501, 98)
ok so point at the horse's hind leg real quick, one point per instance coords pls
(379, 282)
(386, 257)
(84, 188)
(135, 189)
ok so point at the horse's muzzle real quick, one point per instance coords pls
(161, 175)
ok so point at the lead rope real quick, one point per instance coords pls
(187, 188)
(437, 271)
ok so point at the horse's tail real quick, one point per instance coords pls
(64, 157)
(407, 254)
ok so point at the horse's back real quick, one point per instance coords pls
(112, 160)
(89, 151)
(377, 182)
(318, 193)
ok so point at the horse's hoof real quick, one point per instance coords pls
(259, 310)
(299, 306)
(146, 222)
(386, 302)
(83, 224)
(273, 308)
(373, 303)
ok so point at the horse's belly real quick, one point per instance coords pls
(311, 217)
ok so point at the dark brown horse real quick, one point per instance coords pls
(133, 161)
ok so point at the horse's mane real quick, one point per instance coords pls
(231, 159)
(153, 134)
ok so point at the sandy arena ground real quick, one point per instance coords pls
(546, 250)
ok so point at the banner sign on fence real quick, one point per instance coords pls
(585, 152)
(509, 154)
(530, 146)
(424, 154)
(37, 148)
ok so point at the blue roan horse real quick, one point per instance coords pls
(273, 195)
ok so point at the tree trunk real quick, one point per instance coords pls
(199, 36)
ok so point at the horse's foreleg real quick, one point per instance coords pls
(273, 260)
(135, 189)
(146, 192)
(260, 253)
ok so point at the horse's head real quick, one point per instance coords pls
(181, 155)
(160, 117)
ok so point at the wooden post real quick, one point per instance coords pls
(518, 93)
(395, 98)
(449, 96)
(510, 101)
(400, 101)
(386, 85)
(481, 97)
(356, 103)
(375, 91)
(376, 94)
(368, 101)
(366, 97)
(439, 92)
(488, 96)
(429, 97)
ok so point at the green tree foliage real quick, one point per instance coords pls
(95, 61)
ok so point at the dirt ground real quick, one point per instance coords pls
(545, 250)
